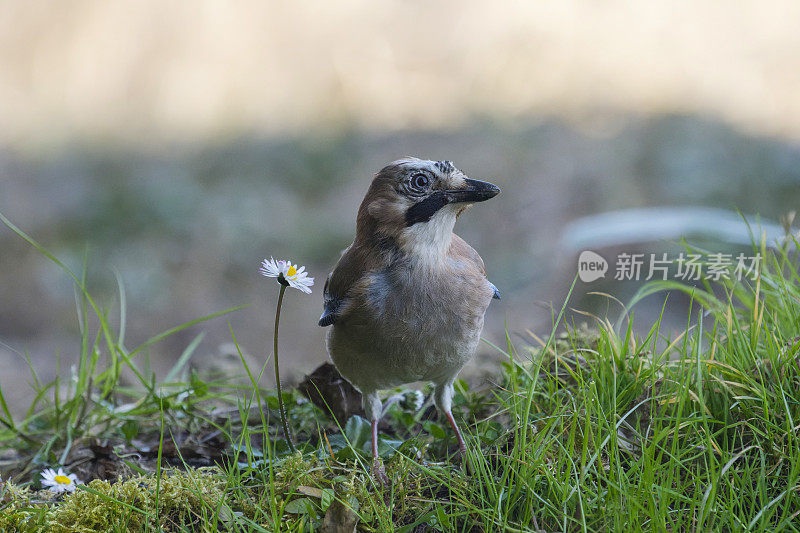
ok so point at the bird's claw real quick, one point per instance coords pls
(379, 473)
(463, 458)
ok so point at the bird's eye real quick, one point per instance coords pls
(420, 181)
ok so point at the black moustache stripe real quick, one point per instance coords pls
(424, 210)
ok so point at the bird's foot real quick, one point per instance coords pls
(379, 473)
(463, 459)
(462, 449)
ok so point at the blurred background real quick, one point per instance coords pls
(179, 143)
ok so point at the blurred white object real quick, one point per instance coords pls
(630, 226)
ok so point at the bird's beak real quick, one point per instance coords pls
(475, 191)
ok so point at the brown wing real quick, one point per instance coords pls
(338, 285)
(349, 274)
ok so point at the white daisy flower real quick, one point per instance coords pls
(288, 274)
(59, 481)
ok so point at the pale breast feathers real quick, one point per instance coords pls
(460, 250)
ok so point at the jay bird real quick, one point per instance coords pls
(406, 299)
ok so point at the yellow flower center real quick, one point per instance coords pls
(64, 480)
(292, 271)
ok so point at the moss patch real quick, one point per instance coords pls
(181, 500)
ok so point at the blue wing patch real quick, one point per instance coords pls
(496, 291)
(329, 307)
(327, 318)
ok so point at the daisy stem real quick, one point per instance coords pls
(281, 407)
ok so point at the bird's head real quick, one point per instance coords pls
(416, 202)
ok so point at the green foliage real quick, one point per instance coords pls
(17, 512)
(94, 401)
(593, 429)
(178, 501)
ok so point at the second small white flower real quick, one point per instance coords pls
(59, 481)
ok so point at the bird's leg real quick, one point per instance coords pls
(372, 406)
(378, 471)
(443, 398)
(462, 446)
